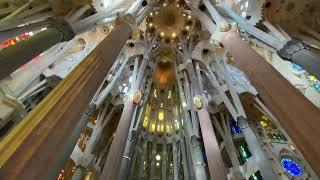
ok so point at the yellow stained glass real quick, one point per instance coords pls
(153, 127)
(263, 123)
(161, 115)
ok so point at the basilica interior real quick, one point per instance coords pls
(159, 89)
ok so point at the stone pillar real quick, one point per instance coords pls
(12, 33)
(194, 150)
(153, 158)
(164, 160)
(175, 160)
(186, 174)
(124, 171)
(215, 162)
(298, 53)
(111, 170)
(15, 56)
(78, 174)
(142, 158)
(36, 145)
(297, 115)
(260, 158)
(199, 165)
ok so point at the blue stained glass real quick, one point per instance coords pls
(235, 129)
(317, 86)
(297, 67)
(291, 167)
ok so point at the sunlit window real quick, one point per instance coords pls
(155, 93)
(161, 115)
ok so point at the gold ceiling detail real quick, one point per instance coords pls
(170, 21)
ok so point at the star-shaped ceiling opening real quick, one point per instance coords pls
(170, 20)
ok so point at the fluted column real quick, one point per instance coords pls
(34, 146)
(297, 115)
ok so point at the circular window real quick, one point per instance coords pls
(291, 166)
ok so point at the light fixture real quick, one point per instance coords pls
(244, 14)
(263, 123)
(158, 157)
(125, 89)
(189, 17)
(292, 147)
(174, 35)
(184, 104)
(162, 34)
(155, 93)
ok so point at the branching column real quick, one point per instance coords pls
(192, 140)
(292, 50)
(32, 148)
(215, 162)
(111, 170)
(297, 115)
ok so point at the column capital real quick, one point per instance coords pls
(199, 102)
(64, 27)
(290, 48)
(129, 20)
(219, 34)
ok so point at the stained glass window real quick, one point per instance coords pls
(317, 86)
(296, 67)
(291, 167)
(235, 129)
(314, 82)
(13, 41)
